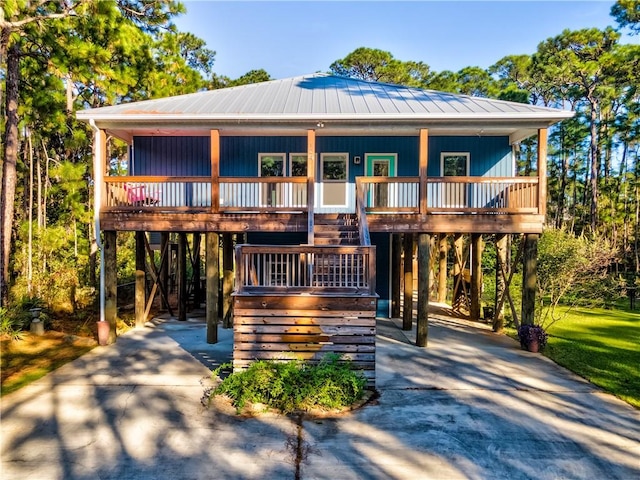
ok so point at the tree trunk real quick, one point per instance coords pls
(595, 165)
(9, 167)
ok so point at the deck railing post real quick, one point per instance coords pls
(423, 167)
(542, 172)
(311, 178)
(215, 170)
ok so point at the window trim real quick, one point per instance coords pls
(273, 154)
(346, 164)
(455, 154)
(294, 154)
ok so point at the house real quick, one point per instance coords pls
(323, 174)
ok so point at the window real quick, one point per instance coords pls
(334, 167)
(271, 164)
(454, 164)
(298, 164)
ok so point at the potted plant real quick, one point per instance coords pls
(532, 337)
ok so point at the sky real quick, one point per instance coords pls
(291, 38)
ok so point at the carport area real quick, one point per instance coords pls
(470, 405)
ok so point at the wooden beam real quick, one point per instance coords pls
(443, 245)
(110, 282)
(164, 269)
(311, 181)
(212, 273)
(140, 276)
(215, 170)
(182, 276)
(396, 260)
(502, 265)
(227, 280)
(196, 269)
(407, 312)
(476, 275)
(529, 278)
(424, 262)
(542, 171)
(423, 159)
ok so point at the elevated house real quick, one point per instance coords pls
(322, 175)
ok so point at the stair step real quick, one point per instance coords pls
(336, 241)
(335, 228)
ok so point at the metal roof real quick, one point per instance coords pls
(322, 96)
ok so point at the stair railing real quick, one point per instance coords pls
(361, 214)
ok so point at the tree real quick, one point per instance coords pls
(380, 66)
(252, 76)
(627, 14)
(582, 60)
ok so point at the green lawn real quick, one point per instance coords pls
(602, 346)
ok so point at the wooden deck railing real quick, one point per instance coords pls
(305, 269)
(157, 192)
(499, 195)
(194, 193)
(375, 195)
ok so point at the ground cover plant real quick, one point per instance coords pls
(602, 346)
(294, 386)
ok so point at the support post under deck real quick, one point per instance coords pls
(182, 276)
(424, 268)
(213, 283)
(407, 311)
(140, 287)
(227, 279)
(476, 275)
(110, 283)
(529, 278)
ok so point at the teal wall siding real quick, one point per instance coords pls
(489, 156)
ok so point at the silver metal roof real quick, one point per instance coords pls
(306, 101)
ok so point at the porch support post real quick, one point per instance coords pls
(197, 291)
(477, 247)
(529, 277)
(458, 277)
(182, 276)
(215, 170)
(140, 288)
(502, 272)
(213, 280)
(110, 283)
(442, 267)
(542, 172)
(407, 310)
(424, 268)
(423, 159)
(164, 267)
(311, 181)
(227, 280)
(396, 260)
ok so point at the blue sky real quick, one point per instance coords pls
(293, 38)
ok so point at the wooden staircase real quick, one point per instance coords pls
(336, 229)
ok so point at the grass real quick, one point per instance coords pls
(602, 346)
(24, 361)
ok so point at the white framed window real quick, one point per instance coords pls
(454, 164)
(271, 164)
(454, 194)
(298, 164)
(334, 175)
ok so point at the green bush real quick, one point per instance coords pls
(294, 385)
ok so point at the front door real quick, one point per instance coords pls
(271, 165)
(381, 165)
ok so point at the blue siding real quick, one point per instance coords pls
(172, 156)
(489, 156)
(239, 155)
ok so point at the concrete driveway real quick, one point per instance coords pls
(471, 405)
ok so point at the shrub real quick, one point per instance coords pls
(530, 333)
(294, 386)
